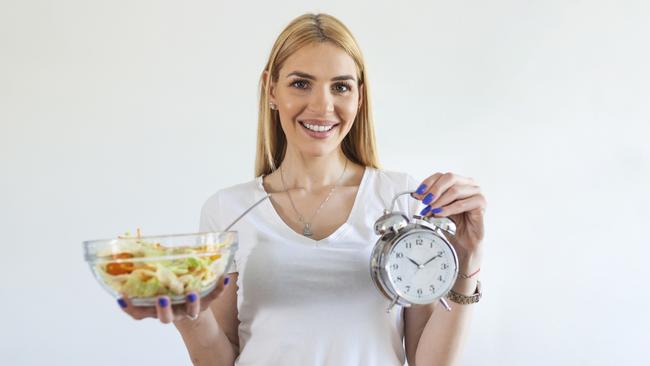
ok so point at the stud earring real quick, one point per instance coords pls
(273, 106)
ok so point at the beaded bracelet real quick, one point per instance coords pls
(469, 276)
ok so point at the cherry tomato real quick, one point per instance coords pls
(120, 268)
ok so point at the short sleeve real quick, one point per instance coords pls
(209, 217)
(210, 220)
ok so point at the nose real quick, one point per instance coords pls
(321, 101)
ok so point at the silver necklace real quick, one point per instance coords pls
(306, 225)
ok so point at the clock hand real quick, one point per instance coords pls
(434, 257)
(412, 261)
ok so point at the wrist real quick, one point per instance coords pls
(465, 286)
(470, 257)
(469, 265)
(187, 324)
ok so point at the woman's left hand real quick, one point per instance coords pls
(460, 199)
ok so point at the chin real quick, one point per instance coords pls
(317, 151)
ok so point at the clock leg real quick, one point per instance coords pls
(391, 305)
(445, 304)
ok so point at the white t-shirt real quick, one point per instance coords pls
(306, 302)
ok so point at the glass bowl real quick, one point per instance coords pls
(145, 267)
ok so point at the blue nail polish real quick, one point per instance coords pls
(421, 189)
(427, 199)
(191, 297)
(122, 303)
(163, 302)
(436, 210)
(225, 282)
(425, 211)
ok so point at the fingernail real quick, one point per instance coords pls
(163, 302)
(436, 210)
(427, 199)
(122, 303)
(421, 189)
(425, 211)
(191, 297)
(225, 282)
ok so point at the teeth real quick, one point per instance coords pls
(317, 128)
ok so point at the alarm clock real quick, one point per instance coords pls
(413, 262)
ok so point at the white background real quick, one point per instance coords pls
(123, 114)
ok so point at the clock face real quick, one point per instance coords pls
(421, 267)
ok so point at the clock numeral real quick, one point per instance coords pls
(440, 279)
(418, 242)
(408, 245)
(432, 289)
(441, 253)
(394, 266)
(399, 279)
(399, 255)
(419, 291)
(444, 266)
(408, 288)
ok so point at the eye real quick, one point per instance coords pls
(338, 88)
(299, 84)
(342, 87)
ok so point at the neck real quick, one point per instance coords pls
(312, 172)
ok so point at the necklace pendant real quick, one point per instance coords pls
(306, 230)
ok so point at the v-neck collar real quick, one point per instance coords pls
(268, 206)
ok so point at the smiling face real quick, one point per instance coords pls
(318, 97)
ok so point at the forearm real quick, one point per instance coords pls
(443, 336)
(206, 343)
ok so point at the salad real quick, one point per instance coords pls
(141, 268)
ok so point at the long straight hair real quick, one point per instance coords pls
(359, 144)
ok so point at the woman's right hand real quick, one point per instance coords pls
(168, 313)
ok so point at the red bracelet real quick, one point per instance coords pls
(469, 276)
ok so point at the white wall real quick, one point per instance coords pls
(119, 114)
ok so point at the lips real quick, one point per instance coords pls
(318, 122)
(317, 128)
(318, 125)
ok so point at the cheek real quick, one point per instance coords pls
(348, 110)
(290, 109)
(289, 105)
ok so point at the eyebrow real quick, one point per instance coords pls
(311, 77)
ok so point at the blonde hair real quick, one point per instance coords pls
(359, 144)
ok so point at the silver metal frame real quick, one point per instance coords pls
(379, 257)
(392, 230)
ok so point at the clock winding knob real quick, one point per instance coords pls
(442, 223)
(390, 221)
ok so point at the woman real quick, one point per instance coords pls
(300, 291)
